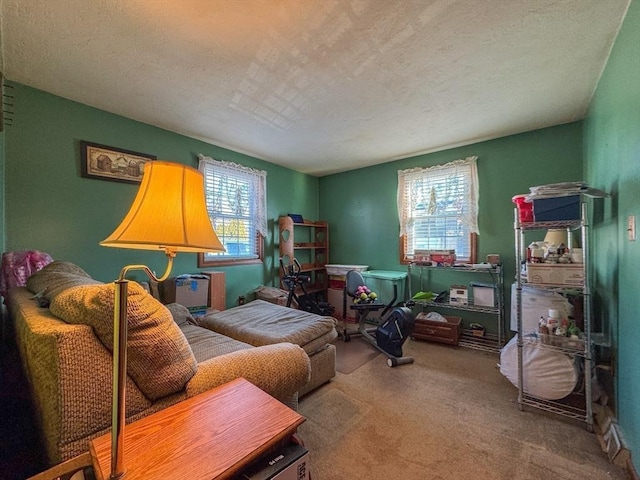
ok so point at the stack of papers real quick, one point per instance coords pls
(565, 189)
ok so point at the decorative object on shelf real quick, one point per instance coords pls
(110, 163)
(426, 296)
(493, 259)
(168, 214)
(459, 295)
(476, 329)
(556, 236)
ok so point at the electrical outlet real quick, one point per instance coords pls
(631, 228)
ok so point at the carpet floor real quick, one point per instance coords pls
(450, 415)
(353, 354)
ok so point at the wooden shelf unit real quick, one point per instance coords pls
(308, 242)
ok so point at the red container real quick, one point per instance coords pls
(525, 209)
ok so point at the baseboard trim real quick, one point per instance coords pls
(633, 474)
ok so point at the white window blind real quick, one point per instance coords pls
(438, 207)
(236, 202)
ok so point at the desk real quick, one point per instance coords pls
(211, 436)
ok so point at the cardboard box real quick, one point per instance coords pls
(337, 282)
(335, 297)
(555, 274)
(273, 295)
(440, 257)
(444, 332)
(556, 209)
(217, 290)
(192, 291)
(459, 294)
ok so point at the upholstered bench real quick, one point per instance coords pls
(263, 323)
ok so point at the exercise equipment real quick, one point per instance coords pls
(396, 321)
(293, 279)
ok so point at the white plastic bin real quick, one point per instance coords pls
(341, 270)
(535, 304)
(335, 295)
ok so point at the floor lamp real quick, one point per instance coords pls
(169, 214)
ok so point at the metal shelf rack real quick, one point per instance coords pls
(576, 406)
(489, 342)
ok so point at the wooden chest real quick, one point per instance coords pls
(444, 332)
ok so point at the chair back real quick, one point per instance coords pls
(353, 280)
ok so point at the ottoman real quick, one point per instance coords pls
(263, 323)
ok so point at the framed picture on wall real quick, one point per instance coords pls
(110, 163)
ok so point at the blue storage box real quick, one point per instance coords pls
(556, 209)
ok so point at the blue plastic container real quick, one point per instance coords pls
(556, 209)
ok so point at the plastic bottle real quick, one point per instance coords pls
(553, 320)
(542, 326)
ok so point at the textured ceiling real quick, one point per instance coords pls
(319, 86)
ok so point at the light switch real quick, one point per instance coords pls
(631, 228)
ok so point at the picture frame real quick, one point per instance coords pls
(110, 163)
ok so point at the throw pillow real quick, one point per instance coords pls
(57, 277)
(160, 359)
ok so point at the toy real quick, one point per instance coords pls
(364, 295)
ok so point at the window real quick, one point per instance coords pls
(438, 209)
(236, 202)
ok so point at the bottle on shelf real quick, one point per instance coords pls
(553, 320)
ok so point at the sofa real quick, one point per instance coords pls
(63, 324)
(261, 323)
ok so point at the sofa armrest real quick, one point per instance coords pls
(280, 370)
(70, 376)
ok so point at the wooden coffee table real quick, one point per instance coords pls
(211, 436)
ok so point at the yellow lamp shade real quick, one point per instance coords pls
(169, 213)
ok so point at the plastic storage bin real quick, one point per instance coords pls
(556, 209)
(341, 270)
(525, 208)
(335, 294)
(382, 282)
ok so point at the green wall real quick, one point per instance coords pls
(45, 204)
(360, 205)
(50, 207)
(612, 163)
(2, 236)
